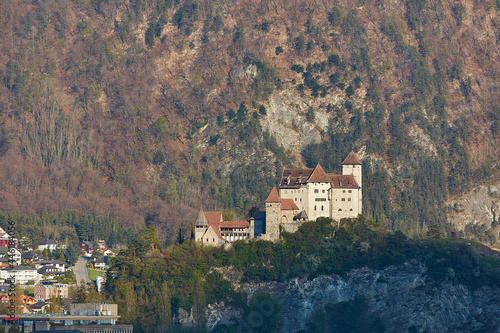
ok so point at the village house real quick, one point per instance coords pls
(59, 265)
(21, 274)
(39, 307)
(31, 257)
(101, 263)
(11, 253)
(25, 299)
(5, 238)
(87, 247)
(49, 289)
(101, 245)
(49, 244)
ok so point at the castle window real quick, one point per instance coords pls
(348, 199)
(350, 191)
(295, 199)
(321, 207)
(343, 191)
(213, 239)
(323, 191)
(343, 199)
(316, 191)
(314, 207)
(300, 199)
(350, 209)
(340, 209)
(285, 191)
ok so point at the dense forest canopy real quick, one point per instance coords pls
(139, 112)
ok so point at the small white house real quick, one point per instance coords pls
(11, 253)
(49, 244)
(21, 274)
(59, 265)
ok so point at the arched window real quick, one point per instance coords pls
(340, 209)
(321, 207)
(314, 207)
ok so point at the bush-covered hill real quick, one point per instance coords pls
(144, 110)
(151, 286)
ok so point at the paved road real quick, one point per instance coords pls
(81, 271)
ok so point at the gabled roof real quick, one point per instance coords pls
(301, 216)
(49, 269)
(351, 159)
(343, 181)
(88, 243)
(235, 224)
(39, 305)
(201, 220)
(318, 176)
(48, 242)
(30, 255)
(273, 196)
(288, 204)
(102, 260)
(293, 178)
(214, 217)
(217, 232)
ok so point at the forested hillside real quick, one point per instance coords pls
(139, 112)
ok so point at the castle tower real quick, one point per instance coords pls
(273, 215)
(200, 225)
(352, 166)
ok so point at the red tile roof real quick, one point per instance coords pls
(343, 181)
(318, 176)
(273, 196)
(235, 224)
(214, 217)
(288, 204)
(352, 159)
(293, 178)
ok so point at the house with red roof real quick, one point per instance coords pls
(211, 229)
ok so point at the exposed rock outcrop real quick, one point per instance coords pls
(479, 206)
(401, 296)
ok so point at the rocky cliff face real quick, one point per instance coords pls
(401, 296)
(478, 208)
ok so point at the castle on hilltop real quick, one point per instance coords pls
(303, 195)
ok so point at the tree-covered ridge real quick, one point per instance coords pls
(144, 110)
(145, 282)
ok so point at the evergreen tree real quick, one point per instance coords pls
(81, 293)
(433, 231)
(163, 307)
(199, 304)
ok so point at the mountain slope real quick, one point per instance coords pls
(145, 110)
